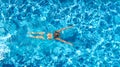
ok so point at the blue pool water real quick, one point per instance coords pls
(95, 35)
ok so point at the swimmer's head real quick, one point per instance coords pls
(49, 36)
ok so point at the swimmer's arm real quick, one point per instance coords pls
(64, 41)
(65, 28)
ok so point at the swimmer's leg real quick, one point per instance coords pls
(38, 37)
(64, 41)
(64, 28)
(36, 33)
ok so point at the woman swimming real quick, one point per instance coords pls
(56, 35)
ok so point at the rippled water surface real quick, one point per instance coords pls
(95, 35)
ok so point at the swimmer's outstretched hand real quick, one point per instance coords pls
(65, 28)
(64, 41)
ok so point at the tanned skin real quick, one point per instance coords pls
(50, 35)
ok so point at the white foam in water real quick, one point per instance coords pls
(3, 50)
(5, 37)
(78, 52)
(3, 47)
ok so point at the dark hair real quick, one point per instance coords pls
(56, 34)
